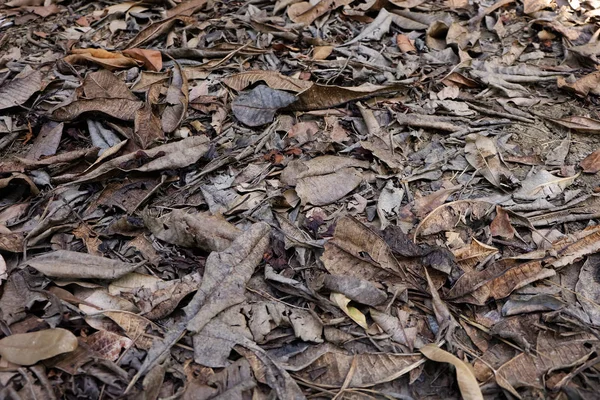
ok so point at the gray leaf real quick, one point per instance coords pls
(258, 107)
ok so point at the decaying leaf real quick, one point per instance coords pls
(482, 154)
(72, 265)
(151, 59)
(106, 59)
(29, 348)
(207, 232)
(124, 109)
(258, 106)
(591, 164)
(447, 216)
(176, 100)
(305, 12)
(157, 29)
(580, 124)
(19, 90)
(342, 302)
(273, 79)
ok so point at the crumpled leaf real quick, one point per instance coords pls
(73, 265)
(501, 225)
(359, 290)
(47, 141)
(542, 184)
(207, 232)
(176, 100)
(469, 388)
(398, 330)
(482, 154)
(273, 79)
(446, 216)
(588, 289)
(29, 348)
(20, 89)
(589, 84)
(186, 7)
(258, 106)
(147, 128)
(106, 59)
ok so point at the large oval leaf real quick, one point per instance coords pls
(29, 348)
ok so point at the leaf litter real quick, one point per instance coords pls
(326, 199)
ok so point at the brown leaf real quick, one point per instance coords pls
(123, 109)
(468, 257)
(104, 84)
(19, 90)
(47, 141)
(258, 106)
(73, 265)
(176, 100)
(447, 216)
(108, 345)
(405, 44)
(580, 124)
(29, 348)
(323, 96)
(482, 154)
(204, 231)
(305, 13)
(371, 368)
(583, 86)
(273, 79)
(151, 59)
(186, 7)
(157, 29)
(469, 388)
(147, 129)
(501, 225)
(106, 59)
(591, 164)
(226, 274)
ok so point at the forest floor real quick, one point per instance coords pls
(349, 199)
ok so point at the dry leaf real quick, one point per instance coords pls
(501, 225)
(186, 7)
(322, 52)
(147, 128)
(404, 43)
(589, 84)
(207, 232)
(72, 265)
(305, 13)
(157, 29)
(258, 106)
(29, 348)
(176, 100)
(482, 154)
(123, 109)
(447, 216)
(591, 164)
(469, 388)
(354, 314)
(580, 124)
(273, 79)
(106, 59)
(19, 90)
(151, 59)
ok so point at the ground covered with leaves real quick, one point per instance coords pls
(357, 199)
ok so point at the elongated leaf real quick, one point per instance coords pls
(124, 109)
(466, 380)
(342, 302)
(273, 79)
(177, 100)
(70, 264)
(157, 29)
(258, 107)
(577, 123)
(319, 97)
(29, 348)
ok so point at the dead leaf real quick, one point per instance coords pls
(354, 314)
(176, 100)
(258, 106)
(73, 265)
(20, 89)
(273, 79)
(591, 164)
(29, 348)
(469, 388)
(123, 109)
(447, 216)
(157, 29)
(106, 59)
(589, 84)
(207, 232)
(147, 128)
(580, 124)
(186, 7)
(305, 12)
(501, 225)
(482, 154)
(405, 44)
(151, 59)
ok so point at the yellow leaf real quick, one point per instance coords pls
(342, 302)
(469, 388)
